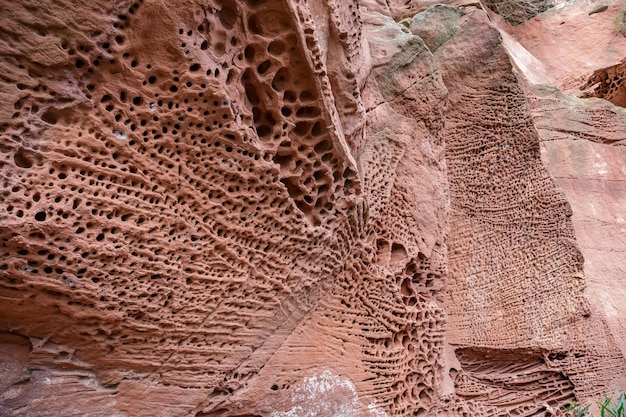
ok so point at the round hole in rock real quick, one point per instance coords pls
(249, 53)
(301, 128)
(22, 160)
(263, 130)
(264, 66)
(49, 117)
(276, 47)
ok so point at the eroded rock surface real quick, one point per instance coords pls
(282, 208)
(583, 148)
(574, 40)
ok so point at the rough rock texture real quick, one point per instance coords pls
(583, 147)
(511, 246)
(608, 83)
(582, 139)
(574, 40)
(285, 208)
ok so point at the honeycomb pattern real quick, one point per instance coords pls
(165, 171)
(608, 83)
(511, 250)
(207, 203)
(487, 379)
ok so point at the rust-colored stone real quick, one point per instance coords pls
(288, 208)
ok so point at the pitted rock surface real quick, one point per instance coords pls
(283, 208)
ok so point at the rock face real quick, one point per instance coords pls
(574, 40)
(287, 208)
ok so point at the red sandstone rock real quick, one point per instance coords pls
(573, 42)
(275, 208)
(519, 208)
(582, 146)
(582, 140)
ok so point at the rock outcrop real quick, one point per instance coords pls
(289, 208)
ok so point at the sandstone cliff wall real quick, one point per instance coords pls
(287, 208)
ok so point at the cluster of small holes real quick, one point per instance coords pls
(540, 391)
(609, 84)
(402, 9)
(417, 339)
(403, 343)
(127, 213)
(343, 66)
(295, 132)
(151, 177)
(511, 255)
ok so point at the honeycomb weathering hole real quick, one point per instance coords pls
(226, 213)
(23, 159)
(609, 84)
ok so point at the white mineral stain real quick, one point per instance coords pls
(327, 395)
(120, 135)
(607, 305)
